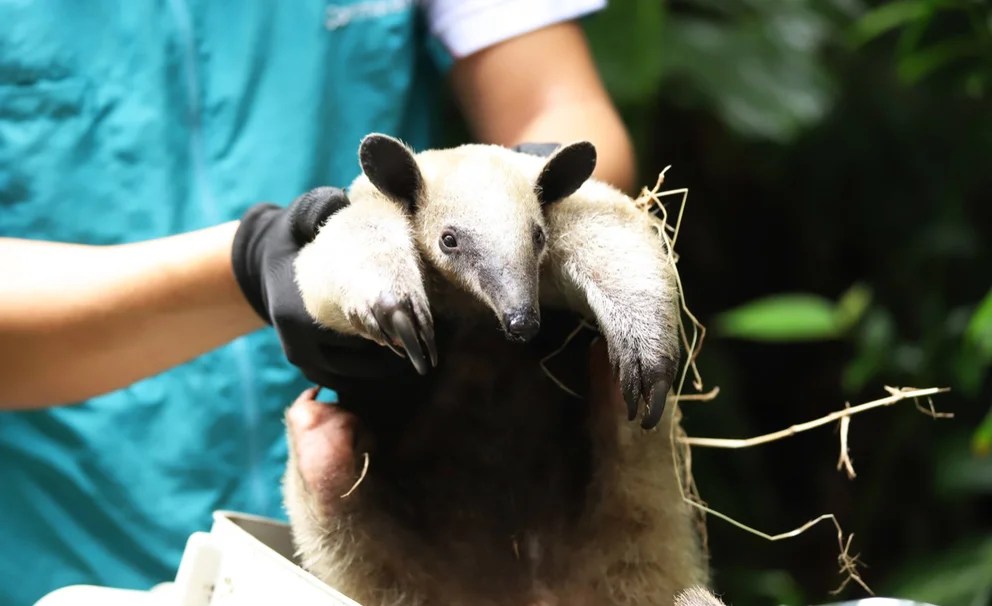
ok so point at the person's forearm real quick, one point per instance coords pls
(543, 87)
(591, 121)
(77, 321)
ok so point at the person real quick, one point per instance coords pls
(132, 139)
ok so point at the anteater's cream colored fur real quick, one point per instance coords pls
(634, 542)
(640, 545)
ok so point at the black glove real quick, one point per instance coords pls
(265, 246)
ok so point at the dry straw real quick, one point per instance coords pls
(651, 202)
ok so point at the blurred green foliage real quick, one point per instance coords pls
(794, 317)
(963, 53)
(755, 64)
(958, 577)
(838, 238)
(788, 317)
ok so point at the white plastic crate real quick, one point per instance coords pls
(244, 560)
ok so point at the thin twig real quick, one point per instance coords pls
(547, 372)
(897, 396)
(650, 201)
(848, 563)
(699, 397)
(844, 460)
(645, 201)
(930, 411)
(365, 470)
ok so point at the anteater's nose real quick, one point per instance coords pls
(522, 325)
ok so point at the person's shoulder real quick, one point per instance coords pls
(468, 26)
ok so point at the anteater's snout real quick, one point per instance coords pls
(522, 325)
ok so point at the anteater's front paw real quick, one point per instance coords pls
(405, 322)
(391, 317)
(395, 317)
(363, 278)
(646, 371)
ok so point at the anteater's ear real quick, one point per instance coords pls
(391, 167)
(565, 171)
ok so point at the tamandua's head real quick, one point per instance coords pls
(478, 215)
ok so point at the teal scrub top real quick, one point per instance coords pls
(123, 121)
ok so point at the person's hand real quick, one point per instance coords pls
(265, 246)
(322, 438)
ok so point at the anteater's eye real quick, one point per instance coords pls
(448, 241)
(539, 237)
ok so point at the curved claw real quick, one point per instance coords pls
(656, 408)
(629, 387)
(630, 396)
(425, 330)
(427, 334)
(393, 348)
(404, 325)
(656, 386)
(398, 324)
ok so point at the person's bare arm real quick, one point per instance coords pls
(76, 321)
(543, 87)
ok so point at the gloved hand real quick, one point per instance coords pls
(265, 246)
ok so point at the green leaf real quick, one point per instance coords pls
(981, 441)
(969, 369)
(961, 576)
(979, 330)
(973, 357)
(782, 318)
(917, 65)
(960, 472)
(886, 18)
(761, 71)
(852, 306)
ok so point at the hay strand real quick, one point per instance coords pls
(844, 459)
(361, 478)
(897, 395)
(651, 202)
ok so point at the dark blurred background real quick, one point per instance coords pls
(837, 239)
